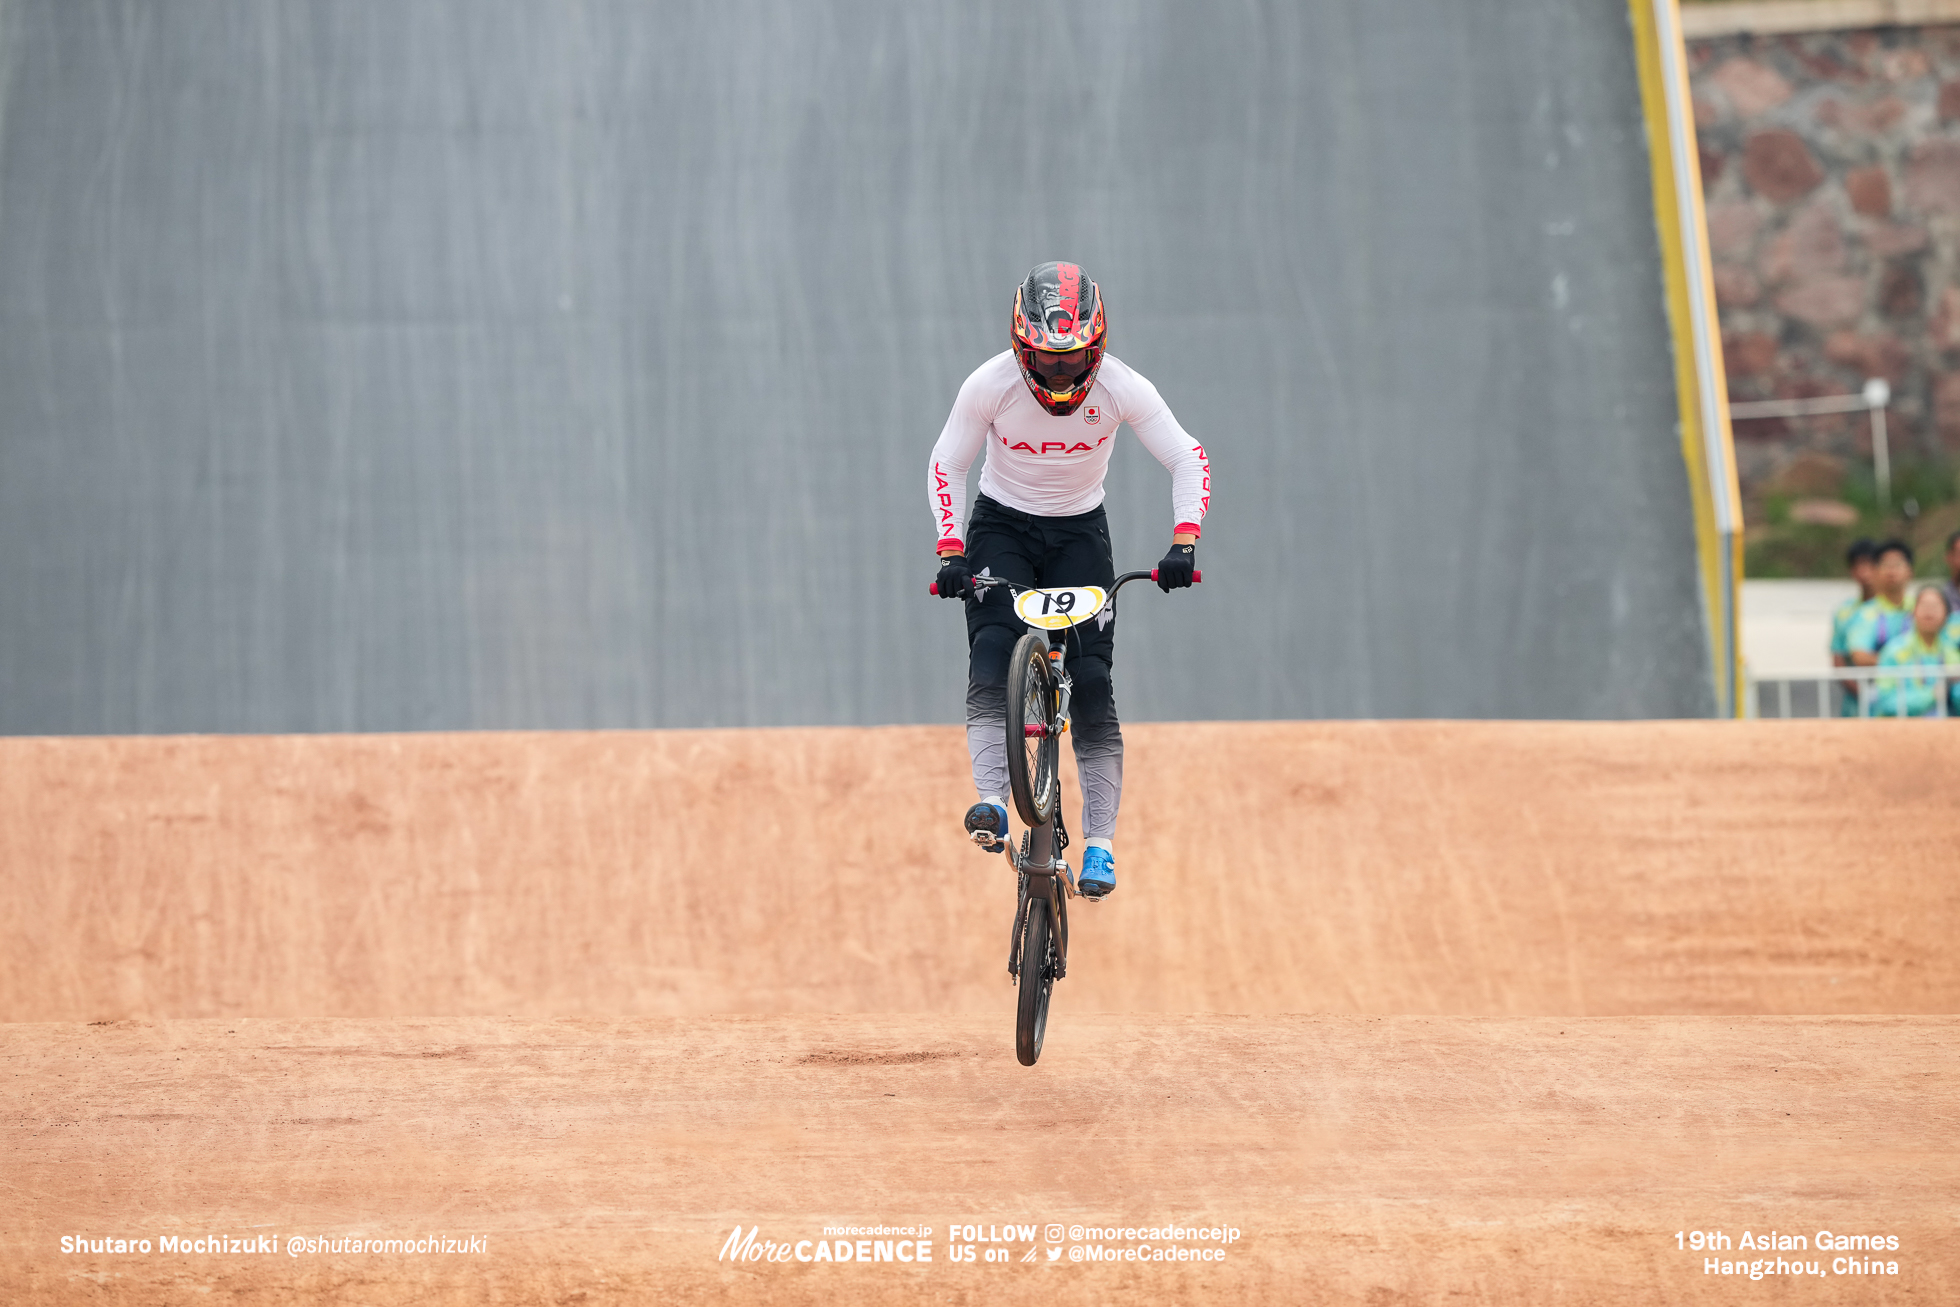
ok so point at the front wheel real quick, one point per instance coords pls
(1033, 749)
(1037, 983)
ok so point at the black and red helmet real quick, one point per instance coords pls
(1059, 333)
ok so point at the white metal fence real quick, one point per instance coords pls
(1827, 691)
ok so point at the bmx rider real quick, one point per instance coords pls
(1046, 410)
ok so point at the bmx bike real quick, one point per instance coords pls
(1038, 692)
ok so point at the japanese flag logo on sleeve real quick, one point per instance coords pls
(1092, 415)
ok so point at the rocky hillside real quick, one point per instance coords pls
(1831, 163)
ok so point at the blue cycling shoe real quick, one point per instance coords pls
(986, 825)
(1098, 876)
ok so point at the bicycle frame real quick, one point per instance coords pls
(1043, 873)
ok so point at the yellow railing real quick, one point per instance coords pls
(1701, 384)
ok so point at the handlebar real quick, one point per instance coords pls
(983, 582)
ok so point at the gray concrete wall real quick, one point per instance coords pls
(465, 363)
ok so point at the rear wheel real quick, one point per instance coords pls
(1037, 982)
(1033, 749)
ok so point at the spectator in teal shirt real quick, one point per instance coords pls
(1925, 645)
(1859, 560)
(1885, 614)
(1952, 586)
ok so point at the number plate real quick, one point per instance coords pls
(1052, 610)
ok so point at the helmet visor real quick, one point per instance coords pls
(1060, 374)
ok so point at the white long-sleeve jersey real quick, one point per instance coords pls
(1054, 466)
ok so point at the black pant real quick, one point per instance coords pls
(1041, 551)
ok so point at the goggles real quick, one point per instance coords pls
(1061, 374)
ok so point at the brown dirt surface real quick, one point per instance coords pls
(1556, 869)
(1363, 1160)
(1425, 1012)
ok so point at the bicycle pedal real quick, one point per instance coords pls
(987, 841)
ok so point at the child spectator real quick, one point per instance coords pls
(1885, 614)
(1924, 645)
(1859, 560)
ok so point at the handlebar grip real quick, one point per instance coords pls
(1195, 576)
(932, 588)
